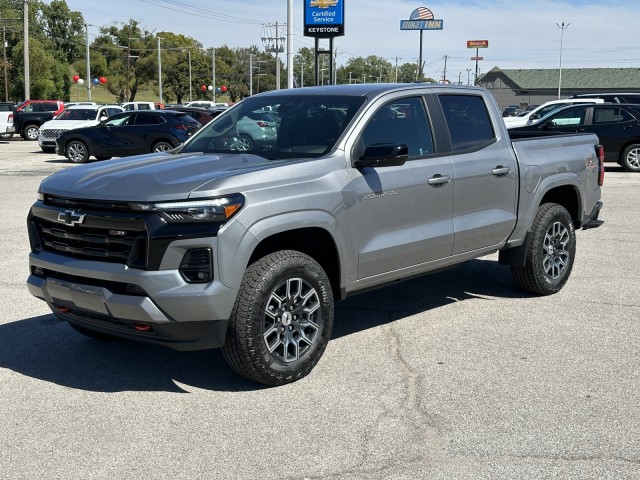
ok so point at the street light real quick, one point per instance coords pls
(561, 27)
(86, 30)
(468, 75)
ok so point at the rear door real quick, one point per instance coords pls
(485, 174)
(615, 127)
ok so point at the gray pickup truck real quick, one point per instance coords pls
(245, 245)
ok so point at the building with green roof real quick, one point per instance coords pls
(536, 86)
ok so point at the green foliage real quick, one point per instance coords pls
(127, 55)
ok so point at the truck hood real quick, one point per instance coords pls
(153, 177)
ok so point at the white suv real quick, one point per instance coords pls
(526, 118)
(73, 117)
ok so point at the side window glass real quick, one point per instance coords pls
(571, 118)
(402, 121)
(468, 121)
(608, 115)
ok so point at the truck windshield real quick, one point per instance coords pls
(278, 127)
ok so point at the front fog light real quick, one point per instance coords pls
(197, 266)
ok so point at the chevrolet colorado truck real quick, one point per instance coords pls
(215, 244)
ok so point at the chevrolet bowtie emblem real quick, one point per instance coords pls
(71, 217)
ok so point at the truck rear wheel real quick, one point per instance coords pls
(282, 319)
(551, 252)
(30, 132)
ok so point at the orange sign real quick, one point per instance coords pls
(477, 43)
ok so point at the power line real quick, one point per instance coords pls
(201, 12)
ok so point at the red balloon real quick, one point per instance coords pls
(102, 80)
(223, 88)
(203, 88)
(76, 78)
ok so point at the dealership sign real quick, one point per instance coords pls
(323, 18)
(477, 43)
(421, 19)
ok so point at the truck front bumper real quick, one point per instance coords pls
(118, 303)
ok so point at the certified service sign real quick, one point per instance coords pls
(323, 18)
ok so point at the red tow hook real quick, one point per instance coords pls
(142, 327)
(63, 309)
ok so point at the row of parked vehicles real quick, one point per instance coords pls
(84, 130)
(613, 117)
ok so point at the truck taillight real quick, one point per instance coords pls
(600, 155)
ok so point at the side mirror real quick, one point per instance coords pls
(383, 155)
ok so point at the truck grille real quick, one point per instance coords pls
(119, 242)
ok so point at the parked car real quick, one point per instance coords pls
(613, 97)
(76, 116)
(30, 114)
(510, 111)
(141, 106)
(127, 133)
(6, 120)
(256, 129)
(616, 125)
(542, 110)
(202, 115)
(206, 104)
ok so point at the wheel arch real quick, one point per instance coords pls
(315, 242)
(569, 198)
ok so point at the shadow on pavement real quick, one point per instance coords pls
(48, 349)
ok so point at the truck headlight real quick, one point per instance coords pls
(218, 209)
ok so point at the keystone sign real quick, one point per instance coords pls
(323, 18)
(421, 19)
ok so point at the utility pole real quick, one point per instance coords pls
(290, 44)
(213, 73)
(4, 47)
(27, 80)
(444, 72)
(159, 72)
(86, 33)
(273, 45)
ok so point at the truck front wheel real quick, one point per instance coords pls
(282, 319)
(551, 252)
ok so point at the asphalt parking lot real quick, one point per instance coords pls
(457, 375)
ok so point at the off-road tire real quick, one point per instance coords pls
(551, 252)
(282, 319)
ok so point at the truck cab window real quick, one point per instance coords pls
(468, 121)
(402, 121)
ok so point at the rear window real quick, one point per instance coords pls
(468, 121)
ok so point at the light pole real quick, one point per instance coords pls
(468, 76)
(561, 27)
(86, 30)
(159, 71)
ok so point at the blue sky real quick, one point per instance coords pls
(521, 34)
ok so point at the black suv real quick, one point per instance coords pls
(128, 133)
(612, 97)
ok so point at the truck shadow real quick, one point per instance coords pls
(45, 348)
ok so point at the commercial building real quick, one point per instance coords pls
(536, 86)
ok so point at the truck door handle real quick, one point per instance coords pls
(500, 171)
(439, 180)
